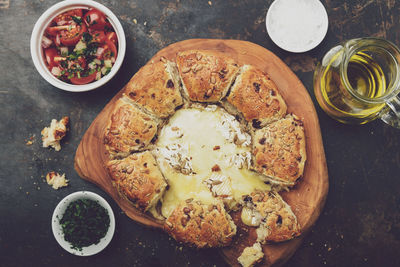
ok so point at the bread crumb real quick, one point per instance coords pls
(30, 140)
(51, 136)
(134, 21)
(209, 3)
(251, 255)
(56, 180)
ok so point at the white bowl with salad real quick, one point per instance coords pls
(78, 45)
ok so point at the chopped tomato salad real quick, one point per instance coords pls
(80, 46)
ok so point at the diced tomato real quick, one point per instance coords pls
(71, 37)
(66, 17)
(83, 80)
(95, 19)
(50, 53)
(52, 30)
(109, 51)
(112, 37)
(98, 37)
(113, 48)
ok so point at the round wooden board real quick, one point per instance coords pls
(306, 198)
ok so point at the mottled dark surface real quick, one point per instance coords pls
(360, 224)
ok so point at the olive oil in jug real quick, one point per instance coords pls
(354, 80)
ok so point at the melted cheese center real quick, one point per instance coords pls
(191, 144)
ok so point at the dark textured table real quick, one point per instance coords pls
(360, 224)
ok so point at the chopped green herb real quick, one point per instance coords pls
(108, 28)
(64, 64)
(87, 37)
(91, 49)
(88, 19)
(77, 19)
(84, 223)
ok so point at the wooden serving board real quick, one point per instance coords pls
(306, 198)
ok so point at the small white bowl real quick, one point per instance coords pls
(297, 26)
(43, 22)
(58, 232)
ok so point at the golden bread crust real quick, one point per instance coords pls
(206, 75)
(129, 129)
(156, 88)
(138, 179)
(278, 220)
(279, 150)
(256, 96)
(200, 225)
(154, 93)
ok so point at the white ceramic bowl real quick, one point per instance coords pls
(57, 229)
(297, 25)
(43, 22)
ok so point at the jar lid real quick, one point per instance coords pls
(297, 25)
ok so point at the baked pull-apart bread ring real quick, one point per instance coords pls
(274, 218)
(206, 75)
(255, 96)
(138, 179)
(156, 88)
(279, 151)
(129, 129)
(200, 225)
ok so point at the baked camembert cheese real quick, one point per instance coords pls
(189, 148)
(194, 141)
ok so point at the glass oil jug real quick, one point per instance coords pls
(359, 81)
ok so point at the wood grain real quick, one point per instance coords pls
(306, 199)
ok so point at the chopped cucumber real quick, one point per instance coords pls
(80, 46)
(64, 51)
(107, 63)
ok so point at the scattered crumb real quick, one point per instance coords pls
(145, 23)
(134, 21)
(56, 180)
(30, 140)
(51, 136)
(209, 3)
(251, 255)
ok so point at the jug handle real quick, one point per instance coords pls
(391, 115)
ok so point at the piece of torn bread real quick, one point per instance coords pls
(129, 129)
(56, 180)
(156, 88)
(274, 218)
(206, 74)
(200, 225)
(51, 136)
(251, 255)
(255, 97)
(279, 151)
(138, 179)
